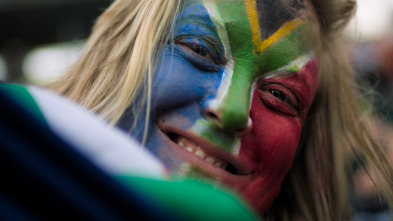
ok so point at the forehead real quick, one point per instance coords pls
(272, 20)
(267, 20)
(272, 15)
(270, 33)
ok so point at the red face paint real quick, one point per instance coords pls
(269, 149)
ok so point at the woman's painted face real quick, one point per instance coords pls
(231, 92)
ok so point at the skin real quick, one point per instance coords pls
(233, 95)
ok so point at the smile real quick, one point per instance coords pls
(203, 154)
(196, 150)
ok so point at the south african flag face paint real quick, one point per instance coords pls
(230, 93)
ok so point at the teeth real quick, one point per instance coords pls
(184, 168)
(221, 164)
(210, 160)
(181, 143)
(200, 154)
(192, 148)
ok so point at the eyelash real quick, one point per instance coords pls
(279, 98)
(199, 52)
(198, 49)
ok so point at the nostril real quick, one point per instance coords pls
(214, 117)
(243, 131)
(232, 124)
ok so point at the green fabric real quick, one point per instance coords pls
(21, 95)
(191, 199)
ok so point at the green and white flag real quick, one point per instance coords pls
(123, 159)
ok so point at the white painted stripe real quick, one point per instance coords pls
(226, 80)
(291, 68)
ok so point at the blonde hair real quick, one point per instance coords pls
(119, 58)
(335, 134)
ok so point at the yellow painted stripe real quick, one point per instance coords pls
(282, 32)
(252, 14)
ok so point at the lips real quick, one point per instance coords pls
(206, 159)
(202, 154)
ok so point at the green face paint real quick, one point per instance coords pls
(231, 91)
(250, 58)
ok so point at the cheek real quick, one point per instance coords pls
(271, 145)
(180, 83)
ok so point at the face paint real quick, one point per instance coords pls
(230, 93)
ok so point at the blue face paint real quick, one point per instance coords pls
(188, 74)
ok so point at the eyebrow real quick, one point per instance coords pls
(196, 15)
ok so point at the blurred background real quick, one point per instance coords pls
(40, 39)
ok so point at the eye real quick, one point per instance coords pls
(281, 95)
(279, 98)
(197, 46)
(199, 52)
(198, 49)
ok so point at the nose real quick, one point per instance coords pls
(231, 112)
(234, 125)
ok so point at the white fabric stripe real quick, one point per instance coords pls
(109, 148)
